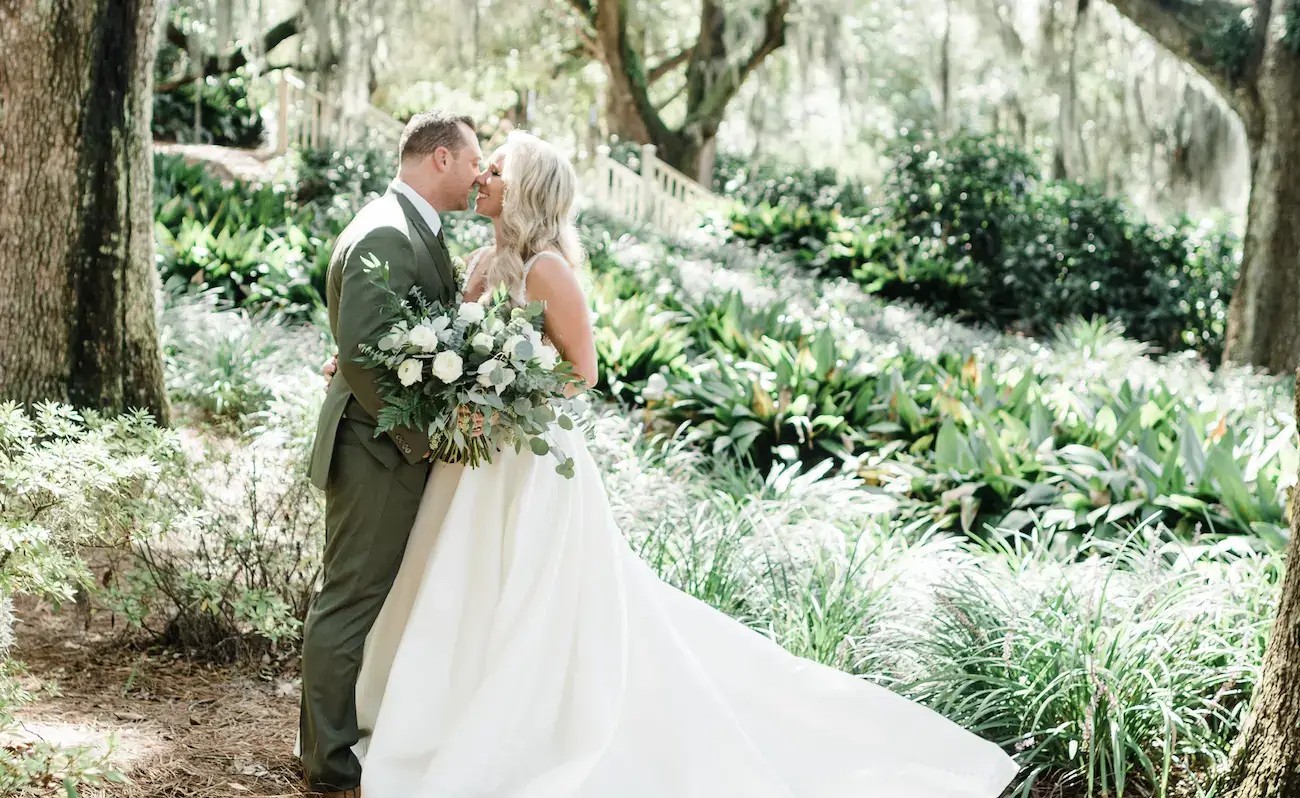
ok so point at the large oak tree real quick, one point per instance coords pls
(78, 286)
(716, 65)
(1266, 758)
(1251, 55)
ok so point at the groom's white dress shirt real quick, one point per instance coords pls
(421, 204)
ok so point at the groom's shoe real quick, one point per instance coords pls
(355, 792)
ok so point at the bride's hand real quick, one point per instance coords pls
(330, 368)
(476, 421)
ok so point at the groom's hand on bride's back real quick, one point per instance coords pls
(329, 369)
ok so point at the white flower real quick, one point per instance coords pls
(482, 342)
(448, 366)
(511, 345)
(471, 312)
(409, 371)
(494, 325)
(655, 387)
(547, 357)
(391, 341)
(423, 337)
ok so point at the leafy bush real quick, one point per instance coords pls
(226, 115)
(968, 228)
(227, 568)
(773, 184)
(1086, 434)
(232, 365)
(1108, 668)
(69, 484)
(253, 245)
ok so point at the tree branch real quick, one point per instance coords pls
(628, 80)
(668, 65)
(236, 58)
(715, 99)
(585, 10)
(1187, 29)
(587, 27)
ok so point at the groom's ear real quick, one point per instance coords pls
(441, 158)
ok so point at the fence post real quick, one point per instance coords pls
(282, 115)
(604, 193)
(647, 183)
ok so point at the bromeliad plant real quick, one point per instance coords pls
(970, 429)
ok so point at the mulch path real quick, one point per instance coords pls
(226, 163)
(176, 728)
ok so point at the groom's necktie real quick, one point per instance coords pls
(442, 240)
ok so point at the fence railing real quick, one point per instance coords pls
(307, 118)
(658, 195)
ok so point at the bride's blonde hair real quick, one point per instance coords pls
(536, 210)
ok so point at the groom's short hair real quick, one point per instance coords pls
(428, 131)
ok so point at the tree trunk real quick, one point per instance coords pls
(712, 80)
(78, 287)
(1266, 758)
(1264, 316)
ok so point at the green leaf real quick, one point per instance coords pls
(539, 446)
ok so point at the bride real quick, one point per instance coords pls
(525, 651)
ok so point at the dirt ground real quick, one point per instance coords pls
(175, 728)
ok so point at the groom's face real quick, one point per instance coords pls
(460, 169)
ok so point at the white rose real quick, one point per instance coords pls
(547, 357)
(448, 366)
(482, 342)
(655, 387)
(409, 371)
(471, 312)
(423, 337)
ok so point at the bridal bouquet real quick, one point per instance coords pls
(476, 376)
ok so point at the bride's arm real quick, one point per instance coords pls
(566, 321)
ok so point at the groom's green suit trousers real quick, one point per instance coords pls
(372, 484)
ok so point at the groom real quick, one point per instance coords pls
(372, 484)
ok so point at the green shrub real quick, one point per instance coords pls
(231, 365)
(769, 183)
(253, 245)
(70, 483)
(1128, 672)
(1087, 434)
(227, 568)
(968, 228)
(226, 115)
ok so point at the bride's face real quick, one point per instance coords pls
(491, 189)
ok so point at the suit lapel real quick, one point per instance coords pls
(437, 252)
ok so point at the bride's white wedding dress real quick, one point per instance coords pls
(525, 651)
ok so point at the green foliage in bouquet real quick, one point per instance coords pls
(476, 376)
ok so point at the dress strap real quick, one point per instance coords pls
(528, 266)
(474, 261)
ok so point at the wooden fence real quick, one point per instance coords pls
(658, 195)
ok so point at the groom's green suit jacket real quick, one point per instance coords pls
(391, 230)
